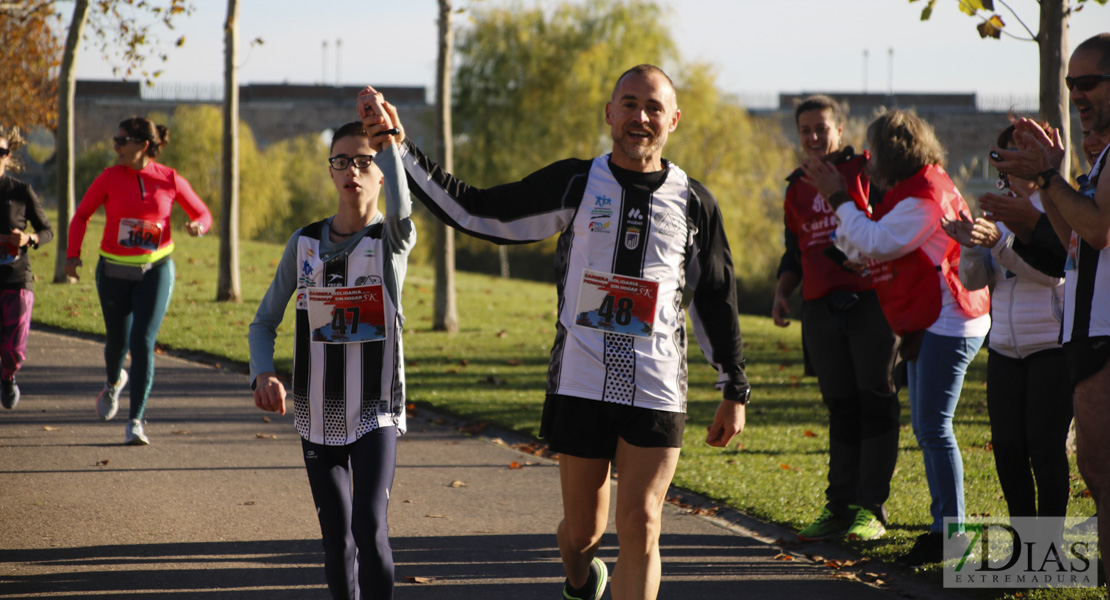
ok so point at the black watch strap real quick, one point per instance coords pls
(1044, 178)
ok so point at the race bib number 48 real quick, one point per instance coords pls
(347, 315)
(617, 304)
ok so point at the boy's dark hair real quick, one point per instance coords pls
(352, 129)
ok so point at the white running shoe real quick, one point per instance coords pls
(135, 435)
(107, 401)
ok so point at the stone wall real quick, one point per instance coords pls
(273, 112)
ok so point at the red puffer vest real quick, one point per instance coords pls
(908, 288)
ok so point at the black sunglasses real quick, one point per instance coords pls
(123, 139)
(339, 163)
(5, 151)
(1085, 83)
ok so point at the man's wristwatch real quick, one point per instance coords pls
(1045, 177)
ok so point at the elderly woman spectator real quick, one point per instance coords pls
(915, 266)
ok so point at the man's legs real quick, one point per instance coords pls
(585, 486)
(645, 475)
(1092, 420)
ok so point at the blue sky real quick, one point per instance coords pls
(760, 48)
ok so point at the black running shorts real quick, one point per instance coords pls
(590, 428)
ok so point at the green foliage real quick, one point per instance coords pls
(283, 187)
(494, 371)
(531, 89)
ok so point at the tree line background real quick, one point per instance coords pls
(529, 88)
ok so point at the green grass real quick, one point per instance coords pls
(493, 370)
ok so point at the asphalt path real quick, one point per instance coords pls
(218, 506)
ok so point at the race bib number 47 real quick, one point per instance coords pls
(617, 304)
(347, 315)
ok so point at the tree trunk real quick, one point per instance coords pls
(63, 139)
(446, 316)
(1053, 44)
(227, 287)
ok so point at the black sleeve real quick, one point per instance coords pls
(534, 208)
(792, 258)
(714, 306)
(1044, 253)
(37, 216)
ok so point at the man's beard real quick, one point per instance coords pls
(638, 148)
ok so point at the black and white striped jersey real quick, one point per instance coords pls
(629, 244)
(1087, 277)
(342, 390)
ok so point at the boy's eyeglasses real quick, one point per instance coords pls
(340, 163)
(1085, 83)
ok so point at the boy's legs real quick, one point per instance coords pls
(329, 477)
(645, 475)
(373, 462)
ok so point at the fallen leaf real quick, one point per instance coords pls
(515, 465)
(809, 433)
(249, 503)
(265, 436)
(435, 516)
(783, 556)
(51, 428)
(474, 428)
(182, 432)
(102, 462)
(265, 419)
(502, 333)
(419, 579)
(458, 484)
(513, 362)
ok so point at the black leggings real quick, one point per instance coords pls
(1030, 407)
(358, 560)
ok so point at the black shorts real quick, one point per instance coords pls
(590, 428)
(1086, 357)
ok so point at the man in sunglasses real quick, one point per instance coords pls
(1081, 220)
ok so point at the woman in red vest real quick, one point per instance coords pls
(848, 342)
(915, 267)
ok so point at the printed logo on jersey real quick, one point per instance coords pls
(369, 252)
(302, 300)
(632, 238)
(668, 223)
(635, 216)
(600, 214)
(334, 280)
(820, 205)
(306, 269)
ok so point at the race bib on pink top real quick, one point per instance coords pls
(137, 233)
(617, 304)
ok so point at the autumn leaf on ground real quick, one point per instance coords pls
(783, 556)
(474, 428)
(182, 432)
(265, 419)
(435, 516)
(513, 362)
(502, 333)
(101, 463)
(809, 433)
(419, 579)
(51, 428)
(458, 484)
(265, 436)
(706, 512)
(249, 503)
(515, 465)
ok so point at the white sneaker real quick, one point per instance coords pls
(135, 435)
(107, 401)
